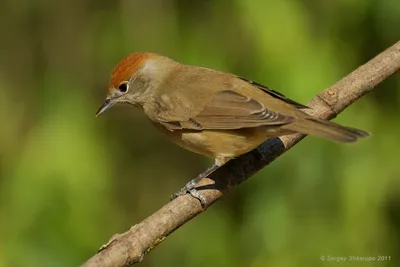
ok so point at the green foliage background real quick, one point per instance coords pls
(69, 181)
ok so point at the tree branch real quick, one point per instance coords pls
(131, 246)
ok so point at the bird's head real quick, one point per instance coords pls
(133, 78)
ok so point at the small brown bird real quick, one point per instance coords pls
(216, 114)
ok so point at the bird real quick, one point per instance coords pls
(213, 113)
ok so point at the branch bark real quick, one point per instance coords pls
(131, 246)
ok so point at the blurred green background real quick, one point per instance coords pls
(69, 181)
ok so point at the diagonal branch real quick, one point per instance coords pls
(131, 246)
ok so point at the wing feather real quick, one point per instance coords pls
(275, 94)
(227, 110)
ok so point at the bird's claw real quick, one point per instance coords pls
(193, 192)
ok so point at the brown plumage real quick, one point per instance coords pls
(209, 112)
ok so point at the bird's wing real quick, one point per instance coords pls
(225, 110)
(275, 94)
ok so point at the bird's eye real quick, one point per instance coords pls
(123, 87)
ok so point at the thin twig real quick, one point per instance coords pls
(131, 246)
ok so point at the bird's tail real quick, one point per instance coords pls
(326, 129)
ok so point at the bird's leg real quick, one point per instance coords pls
(190, 186)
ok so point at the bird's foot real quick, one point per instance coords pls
(190, 188)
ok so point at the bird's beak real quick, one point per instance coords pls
(106, 105)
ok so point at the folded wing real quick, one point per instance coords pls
(226, 110)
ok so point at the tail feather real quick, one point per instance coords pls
(326, 129)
